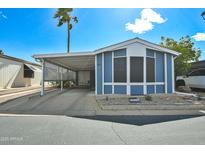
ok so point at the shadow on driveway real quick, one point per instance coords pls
(139, 119)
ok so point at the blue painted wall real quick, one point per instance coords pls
(108, 89)
(150, 89)
(169, 73)
(108, 67)
(121, 52)
(99, 74)
(159, 67)
(160, 89)
(118, 89)
(136, 90)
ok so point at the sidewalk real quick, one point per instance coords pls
(10, 94)
(15, 90)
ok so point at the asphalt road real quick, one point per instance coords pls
(26, 129)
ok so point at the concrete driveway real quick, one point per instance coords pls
(69, 102)
(81, 103)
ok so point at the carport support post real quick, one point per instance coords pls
(42, 76)
(76, 78)
(61, 79)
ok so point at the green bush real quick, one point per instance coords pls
(148, 98)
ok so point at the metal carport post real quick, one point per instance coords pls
(42, 76)
(61, 78)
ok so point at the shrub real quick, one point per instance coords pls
(148, 98)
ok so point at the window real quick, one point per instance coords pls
(136, 69)
(120, 69)
(150, 69)
(28, 73)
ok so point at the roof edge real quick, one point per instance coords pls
(55, 55)
(18, 60)
(137, 40)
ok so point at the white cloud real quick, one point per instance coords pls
(152, 16)
(199, 37)
(2, 15)
(145, 23)
(140, 26)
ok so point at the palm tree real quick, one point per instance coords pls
(64, 16)
(203, 15)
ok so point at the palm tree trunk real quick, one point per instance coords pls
(68, 47)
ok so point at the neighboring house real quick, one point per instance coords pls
(132, 67)
(198, 65)
(15, 72)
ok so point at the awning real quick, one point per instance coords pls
(33, 68)
(73, 61)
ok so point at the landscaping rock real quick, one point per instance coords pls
(185, 89)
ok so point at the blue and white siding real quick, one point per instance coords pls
(164, 72)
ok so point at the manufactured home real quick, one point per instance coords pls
(15, 72)
(132, 67)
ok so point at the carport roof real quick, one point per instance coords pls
(75, 61)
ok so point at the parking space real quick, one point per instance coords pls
(69, 102)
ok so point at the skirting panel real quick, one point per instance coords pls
(118, 89)
(136, 90)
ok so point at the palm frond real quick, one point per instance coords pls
(75, 19)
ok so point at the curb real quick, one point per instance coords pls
(152, 107)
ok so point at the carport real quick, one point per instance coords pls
(64, 66)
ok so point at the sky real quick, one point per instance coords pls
(24, 32)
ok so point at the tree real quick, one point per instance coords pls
(203, 15)
(189, 53)
(64, 16)
(1, 52)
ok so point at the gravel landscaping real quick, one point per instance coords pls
(155, 101)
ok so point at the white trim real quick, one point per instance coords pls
(150, 56)
(165, 72)
(120, 56)
(155, 69)
(173, 79)
(112, 72)
(155, 83)
(96, 74)
(134, 83)
(58, 55)
(128, 75)
(137, 40)
(103, 77)
(145, 75)
(42, 77)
